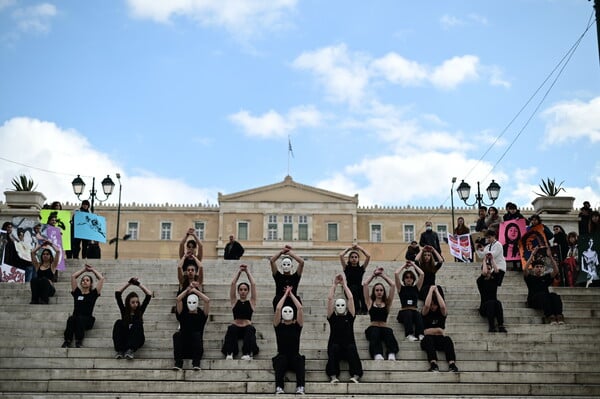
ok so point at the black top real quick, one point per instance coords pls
(138, 314)
(409, 296)
(434, 319)
(191, 322)
(242, 310)
(288, 338)
(378, 314)
(354, 274)
(488, 288)
(45, 273)
(233, 250)
(284, 280)
(84, 303)
(341, 329)
(537, 285)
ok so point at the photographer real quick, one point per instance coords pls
(493, 247)
(538, 296)
(487, 284)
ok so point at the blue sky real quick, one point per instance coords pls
(387, 99)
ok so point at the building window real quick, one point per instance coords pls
(165, 230)
(376, 233)
(133, 230)
(287, 219)
(199, 227)
(303, 219)
(442, 232)
(288, 231)
(242, 233)
(332, 232)
(303, 232)
(409, 232)
(472, 228)
(273, 219)
(272, 231)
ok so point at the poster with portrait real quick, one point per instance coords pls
(89, 226)
(510, 235)
(588, 247)
(460, 246)
(63, 222)
(11, 274)
(533, 238)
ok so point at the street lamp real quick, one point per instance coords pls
(79, 185)
(118, 218)
(464, 190)
(452, 202)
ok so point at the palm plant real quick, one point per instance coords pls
(23, 183)
(549, 188)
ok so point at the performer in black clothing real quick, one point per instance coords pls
(341, 345)
(408, 286)
(434, 319)
(487, 284)
(286, 278)
(288, 327)
(379, 304)
(242, 309)
(430, 261)
(42, 285)
(84, 299)
(128, 331)
(187, 342)
(429, 237)
(233, 249)
(354, 272)
(538, 296)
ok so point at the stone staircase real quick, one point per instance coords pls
(532, 360)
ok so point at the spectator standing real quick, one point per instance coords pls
(429, 237)
(79, 244)
(233, 249)
(480, 223)
(584, 217)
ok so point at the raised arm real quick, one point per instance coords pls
(253, 291)
(437, 255)
(427, 304)
(273, 260)
(343, 261)
(440, 300)
(420, 274)
(554, 264)
(75, 276)
(366, 283)
(205, 299)
(366, 255)
(392, 292)
(99, 276)
(349, 296)
(233, 287)
(298, 259)
(331, 295)
(529, 261)
(299, 310)
(277, 315)
(180, 270)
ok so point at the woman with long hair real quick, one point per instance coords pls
(354, 272)
(379, 304)
(409, 280)
(430, 261)
(128, 331)
(42, 285)
(242, 309)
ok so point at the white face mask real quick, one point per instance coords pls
(286, 265)
(340, 306)
(192, 302)
(428, 228)
(287, 313)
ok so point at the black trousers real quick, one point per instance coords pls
(246, 334)
(41, 289)
(188, 345)
(76, 325)
(550, 302)
(358, 296)
(284, 362)
(78, 244)
(433, 343)
(377, 336)
(493, 311)
(412, 320)
(128, 336)
(338, 352)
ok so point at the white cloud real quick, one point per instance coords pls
(573, 120)
(64, 153)
(400, 70)
(344, 75)
(36, 19)
(455, 71)
(242, 18)
(450, 21)
(273, 124)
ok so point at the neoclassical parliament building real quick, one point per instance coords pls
(317, 223)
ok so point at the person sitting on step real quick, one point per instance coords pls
(379, 304)
(84, 300)
(538, 296)
(409, 285)
(128, 331)
(42, 285)
(487, 284)
(434, 320)
(242, 309)
(188, 341)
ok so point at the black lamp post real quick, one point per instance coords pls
(452, 202)
(79, 185)
(464, 190)
(118, 218)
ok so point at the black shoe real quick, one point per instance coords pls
(66, 344)
(434, 367)
(78, 344)
(453, 368)
(502, 329)
(492, 329)
(178, 365)
(34, 302)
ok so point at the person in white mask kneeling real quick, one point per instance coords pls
(187, 342)
(288, 327)
(340, 315)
